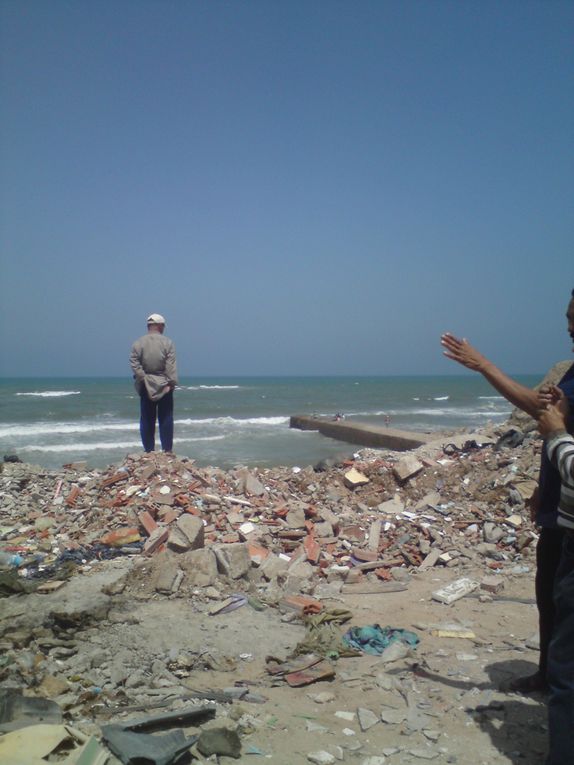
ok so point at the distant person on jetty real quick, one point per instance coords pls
(153, 363)
(552, 424)
(544, 503)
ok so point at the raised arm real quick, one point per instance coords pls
(461, 351)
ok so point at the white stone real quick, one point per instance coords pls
(345, 715)
(321, 758)
(322, 698)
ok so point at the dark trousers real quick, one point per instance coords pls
(548, 552)
(163, 410)
(561, 663)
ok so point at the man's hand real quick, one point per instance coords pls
(551, 395)
(461, 351)
(551, 420)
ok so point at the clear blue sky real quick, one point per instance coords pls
(300, 187)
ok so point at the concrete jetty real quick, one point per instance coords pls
(362, 433)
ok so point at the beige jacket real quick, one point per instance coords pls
(153, 363)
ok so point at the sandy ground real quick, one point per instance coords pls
(456, 707)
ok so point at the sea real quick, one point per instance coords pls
(232, 421)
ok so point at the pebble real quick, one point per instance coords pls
(321, 758)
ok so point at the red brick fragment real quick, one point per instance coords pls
(115, 478)
(120, 537)
(257, 553)
(156, 541)
(147, 522)
(169, 516)
(301, 604)
(73, 496)
(312, 549)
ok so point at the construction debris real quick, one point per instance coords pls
(181, 544)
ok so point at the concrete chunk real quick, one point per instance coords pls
(354, 478)
(407, 468)
(233, 559)
(200, 567)
(187, 533)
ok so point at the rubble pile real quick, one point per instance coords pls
(371, 517)
(283, 541)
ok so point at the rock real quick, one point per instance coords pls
(367, 718)
(233, 559)
(219, 741)
(273, 567)
(394, 716)
(407, 468)
(392, 506)
(165, 573)
(492, 533)
(187, 533)
(423, 754)
(353, 478)
(492, 583)
(321, 758)
(252, 486)
(323, 698)
(199, 566)
(299, 573)
(295, 519)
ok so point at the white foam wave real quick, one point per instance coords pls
(79, 447)
(104, 445)
(491, 398)
(211, 387)
(461, 413)
(64, 428)
(235, 421)
(441, 398)
(50, 393)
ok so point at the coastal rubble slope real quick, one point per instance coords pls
(157, 584)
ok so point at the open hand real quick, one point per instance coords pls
(461, 351)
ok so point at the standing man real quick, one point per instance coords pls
(560, 449)
(545, 500)
(153, 363)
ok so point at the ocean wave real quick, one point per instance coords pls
(104, 445)
(50, 393)
(69, 428)
(211, 387)
(64, 428)
(233, 421)
(491, 398)
(461, 413)
(441, 398)
(80, 447)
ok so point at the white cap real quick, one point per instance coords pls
(155, 318)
